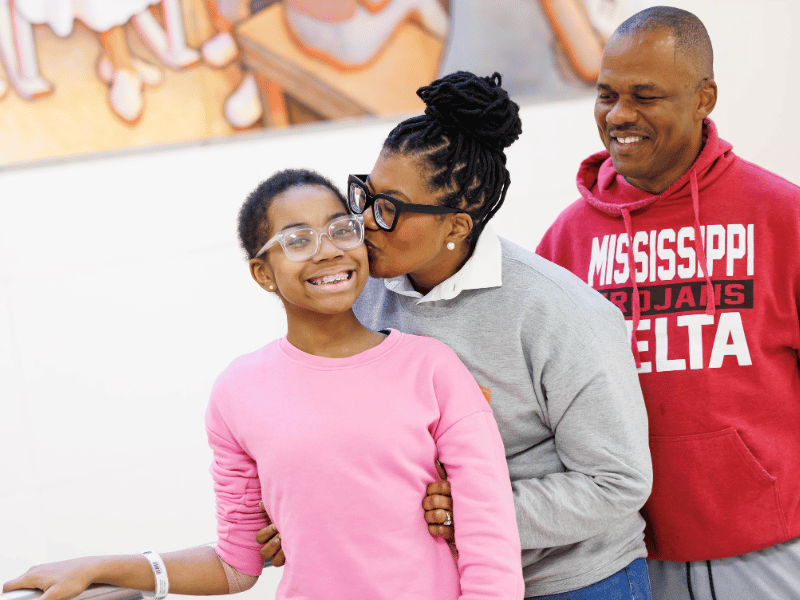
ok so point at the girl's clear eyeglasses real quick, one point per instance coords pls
(301, 243)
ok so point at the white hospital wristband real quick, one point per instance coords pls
(160, 572)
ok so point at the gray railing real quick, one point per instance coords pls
(95, 592)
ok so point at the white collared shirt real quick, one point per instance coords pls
(482, 270)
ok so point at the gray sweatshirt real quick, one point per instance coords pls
(554, 357)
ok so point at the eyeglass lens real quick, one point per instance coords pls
(304, 243)
(384, 211)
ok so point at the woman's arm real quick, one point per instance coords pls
(195, 571)
(599, 420)
(597, 413)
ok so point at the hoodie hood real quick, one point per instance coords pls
(604, 189)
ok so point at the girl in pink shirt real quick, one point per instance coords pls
(329, 419)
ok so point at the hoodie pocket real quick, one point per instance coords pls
(711, 498)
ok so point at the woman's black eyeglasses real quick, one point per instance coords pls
(385, 208)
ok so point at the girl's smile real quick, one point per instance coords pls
(330, 280)
(337, 281)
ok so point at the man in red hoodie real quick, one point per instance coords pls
(701, 251)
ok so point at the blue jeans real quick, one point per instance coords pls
(631, 582)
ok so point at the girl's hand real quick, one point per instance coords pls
(438, 505)
(59, 581)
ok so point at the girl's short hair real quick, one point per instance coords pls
(253, 221)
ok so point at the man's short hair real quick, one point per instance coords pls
(691, 37)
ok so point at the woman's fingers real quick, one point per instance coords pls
(440, 520)
(279, 559)
(271, 548)
(439, 516)
(434, 501)
(271, 542)
(266, 534)
(438, 505)
(446, 533)
(441, 488)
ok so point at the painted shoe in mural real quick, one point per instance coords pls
(220, 50)
(150, 75)
(243, 108)
(125, 95)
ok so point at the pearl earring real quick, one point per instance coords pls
(451, 246)
(272, 287)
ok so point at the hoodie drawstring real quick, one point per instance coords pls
(636, 307)
(699, 244)
(699, 247)
(710, 580)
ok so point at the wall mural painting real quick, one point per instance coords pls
(86, 76)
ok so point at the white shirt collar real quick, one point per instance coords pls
(482, 270)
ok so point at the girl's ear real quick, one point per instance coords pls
(260, 271)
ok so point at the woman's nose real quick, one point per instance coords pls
(369, 218)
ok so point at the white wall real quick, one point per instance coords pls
(123, 294)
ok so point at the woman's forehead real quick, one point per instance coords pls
(397, 173)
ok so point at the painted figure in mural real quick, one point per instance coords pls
(345, 34)
(125, 74)
(561, 42)
(348, 34)
(699, 249)
(242, 108)
(18, 55)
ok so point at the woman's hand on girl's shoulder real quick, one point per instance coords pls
(59, 581)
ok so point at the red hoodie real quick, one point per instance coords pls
(719, 371)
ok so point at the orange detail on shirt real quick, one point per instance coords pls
(487, 393)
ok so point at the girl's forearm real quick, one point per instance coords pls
(194, 571)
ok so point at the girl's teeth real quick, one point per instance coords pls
(331, 279)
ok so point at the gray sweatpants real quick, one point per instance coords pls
(769, 574)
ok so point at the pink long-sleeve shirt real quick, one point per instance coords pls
(341, 450)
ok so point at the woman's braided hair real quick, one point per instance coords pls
(468, 122)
